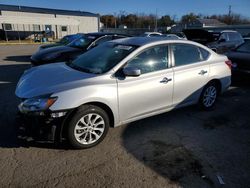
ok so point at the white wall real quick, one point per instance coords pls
(23, 21)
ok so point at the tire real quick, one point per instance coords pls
(209, 96)
(88, 127)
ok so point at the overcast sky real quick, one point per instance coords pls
(170, 7)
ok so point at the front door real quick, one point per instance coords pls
(149, 93)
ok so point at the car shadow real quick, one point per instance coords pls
(165, 142)
(20, 58)
(241, 80)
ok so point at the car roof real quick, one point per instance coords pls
(140, 41)
(98, 34)
(229, 31)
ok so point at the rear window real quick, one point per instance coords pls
(244, 47)
(234, 36)
(185, 54)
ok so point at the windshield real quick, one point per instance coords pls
(67, 39)
(82, 42)
(102, 58)
(245, 47)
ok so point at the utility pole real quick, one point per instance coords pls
(229, 10)
(230, 14)
(156, 20)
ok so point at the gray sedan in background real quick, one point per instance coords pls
(119, 82)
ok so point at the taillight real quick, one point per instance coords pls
(229, 63)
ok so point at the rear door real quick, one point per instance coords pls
(191, 72)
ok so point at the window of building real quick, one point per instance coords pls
(48, 28)
(151, 60)
(185, 54)
(7, 27)
(36, 27)
(64, 28)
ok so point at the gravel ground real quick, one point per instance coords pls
(182, 148)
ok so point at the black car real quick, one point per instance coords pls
(62, 42)
(240, 58)
(199, 35)
(73, 49)
(227, 40)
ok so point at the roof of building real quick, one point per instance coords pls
(45, 10)
(210, 22)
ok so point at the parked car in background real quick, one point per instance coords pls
(199, 35)
(73, 49)
(118, 82)
(227, 40)
(171, 37)
(240, 58)
(62, 42)
(150, 34)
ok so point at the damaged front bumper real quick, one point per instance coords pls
(41, 126)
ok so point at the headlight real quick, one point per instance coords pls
(50, 56)
(36, 104)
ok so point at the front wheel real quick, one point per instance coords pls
(88, 127)
(208, 96)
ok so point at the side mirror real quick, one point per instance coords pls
(132, 71)
(222, 40)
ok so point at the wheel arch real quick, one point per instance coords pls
(217, 82)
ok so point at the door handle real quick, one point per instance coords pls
(202, 72)
(165, 80)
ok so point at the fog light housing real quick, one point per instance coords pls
(58, 114)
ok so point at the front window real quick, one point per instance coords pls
(223, 37)
(151, 60)
(244, 47)
(102, 58)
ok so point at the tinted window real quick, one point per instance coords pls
(244, 47)
(185, 54)
(82, 42)
(223, 36)
(234, 36)
(150, 60)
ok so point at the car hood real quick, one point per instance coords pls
(57, 49)
(50, 45)
(48, 79)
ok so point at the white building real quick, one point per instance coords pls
(23, 22)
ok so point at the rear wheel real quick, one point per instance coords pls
(88, 127)
(208, 96)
